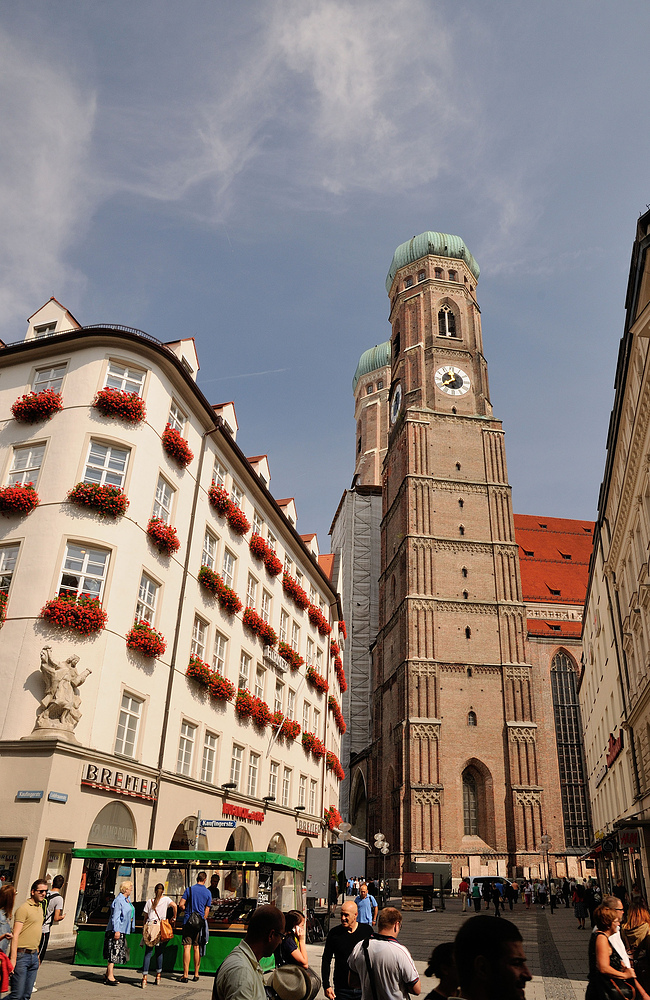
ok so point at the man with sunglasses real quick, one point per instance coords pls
(28, 924)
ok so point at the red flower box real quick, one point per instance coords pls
(219, 499)
(163, 536)
(335, 709)
(333, 818)
(146, 640)
(237, 520)
(82, 613)
(334, 764)
(109, 501)
(18, 499)
(313, 745)
(342, 629)
(295, 591)
(272, 563)
(210, 580)
(317, 680)
(289, 731)
(119, 403)
(287, 653)
(36, 406)
(220, 687)
(335, 649)
(225, 595)
(340, 673)
(249, 705)
(254, 623)
(317, 618)
(198, 670)
(176, 446)
(244, 703)
(3, 608)
(258, 546)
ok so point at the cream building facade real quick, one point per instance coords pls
(152, 749)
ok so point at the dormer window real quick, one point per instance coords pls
(446, 323)
(565, 555)
(44, 331)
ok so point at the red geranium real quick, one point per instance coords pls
(220, 687)
(335, 649)
(340, 673)
(244, 703)
(163, 536)
(198, 670)
(342, 628)
(82, 613)
(317, 618)
(289, 730)
(18, 499)
(295, 591)
(109, 501)
(313, 745)
(237, 520)
(120, 403)
(272, 563)
(334, 764)
(260, 713)
(335, 709)
(317, 680)
(255, 624)
(176, 446)
(36, 406)
(290, 655)
(219, 499)
(3, 608)
(258, 546)
(333, 818)
(146, 640)
(225, 595)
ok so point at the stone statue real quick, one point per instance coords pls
(59, 709)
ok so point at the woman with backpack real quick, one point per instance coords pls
(154, 932)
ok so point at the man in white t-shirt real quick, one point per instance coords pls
(53, 913)
(391, 966)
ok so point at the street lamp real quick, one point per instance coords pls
(229, 784)
(382, 845)
(268, 798)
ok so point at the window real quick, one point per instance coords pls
(106, 465)
(461, 502)
(286, 786)
(438, 272)
(49, 378)
(84, 570)
(244, 669)
(259, 682)
(228, 571)
(319, 661)
(288, 565)
(291, 704)
(396, 344)
(218, 474)
(408, 282)
(127, 726)
(453, 276)
(236, 496)
(312, 595)
(271, 541)
(122, 377)
(468, 633)
(176, 418)
(273, 778)
(295, 636)
(569, 742)
(446, 323)
(284, 625)
(209, 757)
(8, 560)
(145, 608)
(565, 555)
(253, 764)
(251, 592)
(235, 764)
(380, 383)
(529, 552)
(461, 529)
(279, 696)
(422, 275)
(471, 718)
(209, 553)
(26, 464)
(199, 637)
(258, 523)
(316, 721)
(186, 748)
(265, 612)
(299, 577)
(162, 506)
(305, 717)
(465, 594)
(464, 571)
(44, 331)
(369, 389)
(219, 653)
(310, 652)
(302, 790)
(470, 805)
(556, 593)
(312, 797)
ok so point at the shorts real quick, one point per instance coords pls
(191, 934)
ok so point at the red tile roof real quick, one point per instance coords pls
(554, 557)
(550, 628)
(326, 563)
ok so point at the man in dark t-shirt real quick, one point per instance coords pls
(340, 942)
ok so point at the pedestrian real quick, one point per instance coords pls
(490, 960)
(7, 903)
(214, 887)
(463, 890)
(442, 965)
(636, 896)
(606, 965)
(339, 945)
(636, 938)
(195, 904)
(240, 974)
(366, 906)
(385, 967)
(566, 892)
(496, 899)
(333, 897)
(511, 894)
(53, 913)
(26, 937)
(486, 891)
(476, 897)
(620, 892)
(593, 898)
(155, 911)
(342, 880)
(120, 923)
(293, 948)
(528, 894)
(579, 905)
(542, 895)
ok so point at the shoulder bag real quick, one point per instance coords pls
(371, 976)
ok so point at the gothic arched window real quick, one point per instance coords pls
(470, 805)
(446, 322)
(568, 737)
(471, 718)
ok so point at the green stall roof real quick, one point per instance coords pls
(199, 859)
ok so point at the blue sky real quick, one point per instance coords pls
(242, 173)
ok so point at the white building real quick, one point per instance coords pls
(151, 748)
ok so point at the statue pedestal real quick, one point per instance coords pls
(65, 735)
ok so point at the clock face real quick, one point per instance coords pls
(452, 380)
(396, 402)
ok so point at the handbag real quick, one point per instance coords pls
(166, 930)
(151, 933)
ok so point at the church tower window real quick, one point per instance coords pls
(453, 276)
(568, 734)
(422, 275)
(446, 322)
(468, 633)
(438, 272)
(471, 718)
(470, 805)
(408, 282)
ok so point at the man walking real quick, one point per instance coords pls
(339, 945)
(240, 975)
(385, 967)
(490, 960)
(195, 904)
(366, 906)
(53, 913)
(28, 924)
(463, 890)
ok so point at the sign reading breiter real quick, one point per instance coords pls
(109, 779)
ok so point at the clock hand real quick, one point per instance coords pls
(452, 378)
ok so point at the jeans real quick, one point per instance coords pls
(159, 948)
(24, 975)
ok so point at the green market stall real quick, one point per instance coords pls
(245, 879)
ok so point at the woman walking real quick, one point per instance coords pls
(7, 903)
(120, 923)
(528, 894)
(579, 905)
(606, 969)
(636, 935)
(155, 911)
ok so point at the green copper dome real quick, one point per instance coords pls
(370, 361)
(440, 244)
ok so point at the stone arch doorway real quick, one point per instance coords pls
(239, 840)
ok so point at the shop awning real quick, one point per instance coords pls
(192, 859)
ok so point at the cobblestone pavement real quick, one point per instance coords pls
(556, 950)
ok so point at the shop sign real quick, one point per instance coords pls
(629, 838)
(57, 797)
(108, 779)
(272, 656)
(614, 748)
(27, 794)
(227, 809)
(307, 829)
(602, 774)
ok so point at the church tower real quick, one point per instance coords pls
(454, 770)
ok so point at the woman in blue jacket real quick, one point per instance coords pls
(120, 923)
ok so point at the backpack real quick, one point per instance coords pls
(195, 920)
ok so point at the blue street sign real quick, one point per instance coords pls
(57, 797)
(228, 824)
(26, 794)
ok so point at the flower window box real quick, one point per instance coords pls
(219, 499)
(36, 406)
(335, 709)
(258, 546)
(287, 653)
(109, 501)
(272, 563)
(311, 744)
(221, 689)
(248, 705)
(340, 673)
(342, 629)
(237, 520)
(254, 623)
(198, 670)
(289, 731)
(226, 596)
(146, 640)
(316, 680)
(295, 591)
(163, 536)
(335, 649)
(3, 608)
(18, 499)
(118, 403)
(176, 446)
(317, 618)
(81, 613)
(333, 764)
(333, 818)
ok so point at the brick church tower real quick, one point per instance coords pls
(457, 771)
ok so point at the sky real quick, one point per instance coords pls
(242, 173)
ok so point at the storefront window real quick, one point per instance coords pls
(10, 853)
(113, 827)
